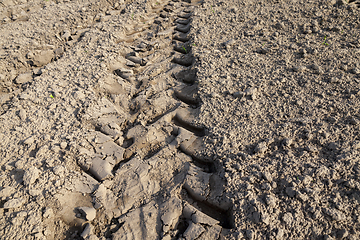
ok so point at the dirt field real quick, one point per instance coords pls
(160, 119)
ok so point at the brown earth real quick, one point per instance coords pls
(179, 119)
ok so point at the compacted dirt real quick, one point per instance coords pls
(179, 119)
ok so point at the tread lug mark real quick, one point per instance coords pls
(184, 59)
(137, 60)
(125, 73)
(185, 15)
(186, 76)
(183, 21)
(209, 214)
(193, 147)
(100, 169)
(161, 133)
(183, 37)
(186, 117)
(146, 140)
(188, 94)
(182, 47)
(183, 28)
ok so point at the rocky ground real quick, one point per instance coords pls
(179, 119)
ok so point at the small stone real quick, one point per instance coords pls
(88, 212)
(322, 172)
(87, 231)
(66, 35)
(270, 201)
(22, 114)
(344, 67)
(6, 192)
(59, 170)
(101, 169)
(31, 175)
(287, 142)
(301, 196)
(30, 140)
(279, 25)
(353, 121)
(228, 43)
(263, 50)
(311, 149)
(199, 217)
(42, 58)
(317, 69)
(288, 219)
(63, 145)
(48, 212)
(42, 150)
(261, 148)
(307, 180)
(78, 95)
(14, 203)
(267, 176)
(280, 233)
(23, 78)
(251, 92)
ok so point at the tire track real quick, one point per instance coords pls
(150, 167)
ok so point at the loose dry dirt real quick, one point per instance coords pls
(179, 119)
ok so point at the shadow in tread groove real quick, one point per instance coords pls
(224, 217)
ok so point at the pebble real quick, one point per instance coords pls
(88, 212)
(307, 180)
(31, 175)
(356, 144)
(48, 212)
(22, 114)
(288, 219)
(261, 148)
(13, 203)
(42, 58)
(30, 140)
(87, 231)
(267, 176)
(287, 142)
(78, 95)
(6, 192)
(228, 43)
(59, 170)
(63, 145)
(270, 200)
(23, 78)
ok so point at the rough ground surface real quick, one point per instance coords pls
(179, 119)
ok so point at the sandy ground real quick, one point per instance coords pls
(179, 119)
